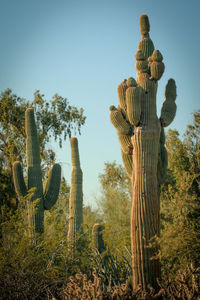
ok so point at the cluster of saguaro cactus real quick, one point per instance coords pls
(47, 198)
(76, 194)
(141, 137)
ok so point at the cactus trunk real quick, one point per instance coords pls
(146, 161)
(97, 237)
(76, 195)
(145, 207)
(34, 170)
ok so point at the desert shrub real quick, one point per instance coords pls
(32, 266)
(185, 286)
(38, 266)
(112, 269)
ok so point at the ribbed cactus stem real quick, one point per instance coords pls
(128, 163)
(118, 121)
(123, 127)
(133, 98)
(122, 94)
(33, 166)
(162, 159)
(144, 25)
(125, 143)
(97, 237)
(168, 110)
(148, 162)
(74, 152)
(76, 194)
(146, 44)
(157, 66)
(34, 175)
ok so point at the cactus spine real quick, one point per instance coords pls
(76, 194)
(146, 161)
(47, 198)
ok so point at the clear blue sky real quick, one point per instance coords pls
(82, 49)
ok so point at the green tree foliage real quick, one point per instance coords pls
(91, 217)
(180, 200)
(39, 268)
(33, 269)
(115, 203)
(55, 220)
(55, 119)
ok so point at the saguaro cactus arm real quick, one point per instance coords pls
(119, 119)
(168, 110)
(133, 101)
(128, 164)
(157, 66)
(19, 183)
(52, 187)
(121, 90)
(162, 158)
(119, 122)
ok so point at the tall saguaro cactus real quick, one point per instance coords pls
(76, 194)
(141, 136)
(47, 198)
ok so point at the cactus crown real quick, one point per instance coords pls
(75, 153)
(112, 107)
(157, 56)
(30, 126)
(131, 82)
(170, 90)
(144, 25)
(139, 55)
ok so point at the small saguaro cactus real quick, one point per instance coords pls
(47, 198)
(76, 194)
(141, 136)
(97, 237)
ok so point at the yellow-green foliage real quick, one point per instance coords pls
(35, 267)
(27, 264)
(180, 200)
(115, 204)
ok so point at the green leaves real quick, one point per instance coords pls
(180, 200)
(115, 203)
(55, 119)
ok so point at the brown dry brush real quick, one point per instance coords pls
(80, 286)
(110, 268)
(185, 286)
